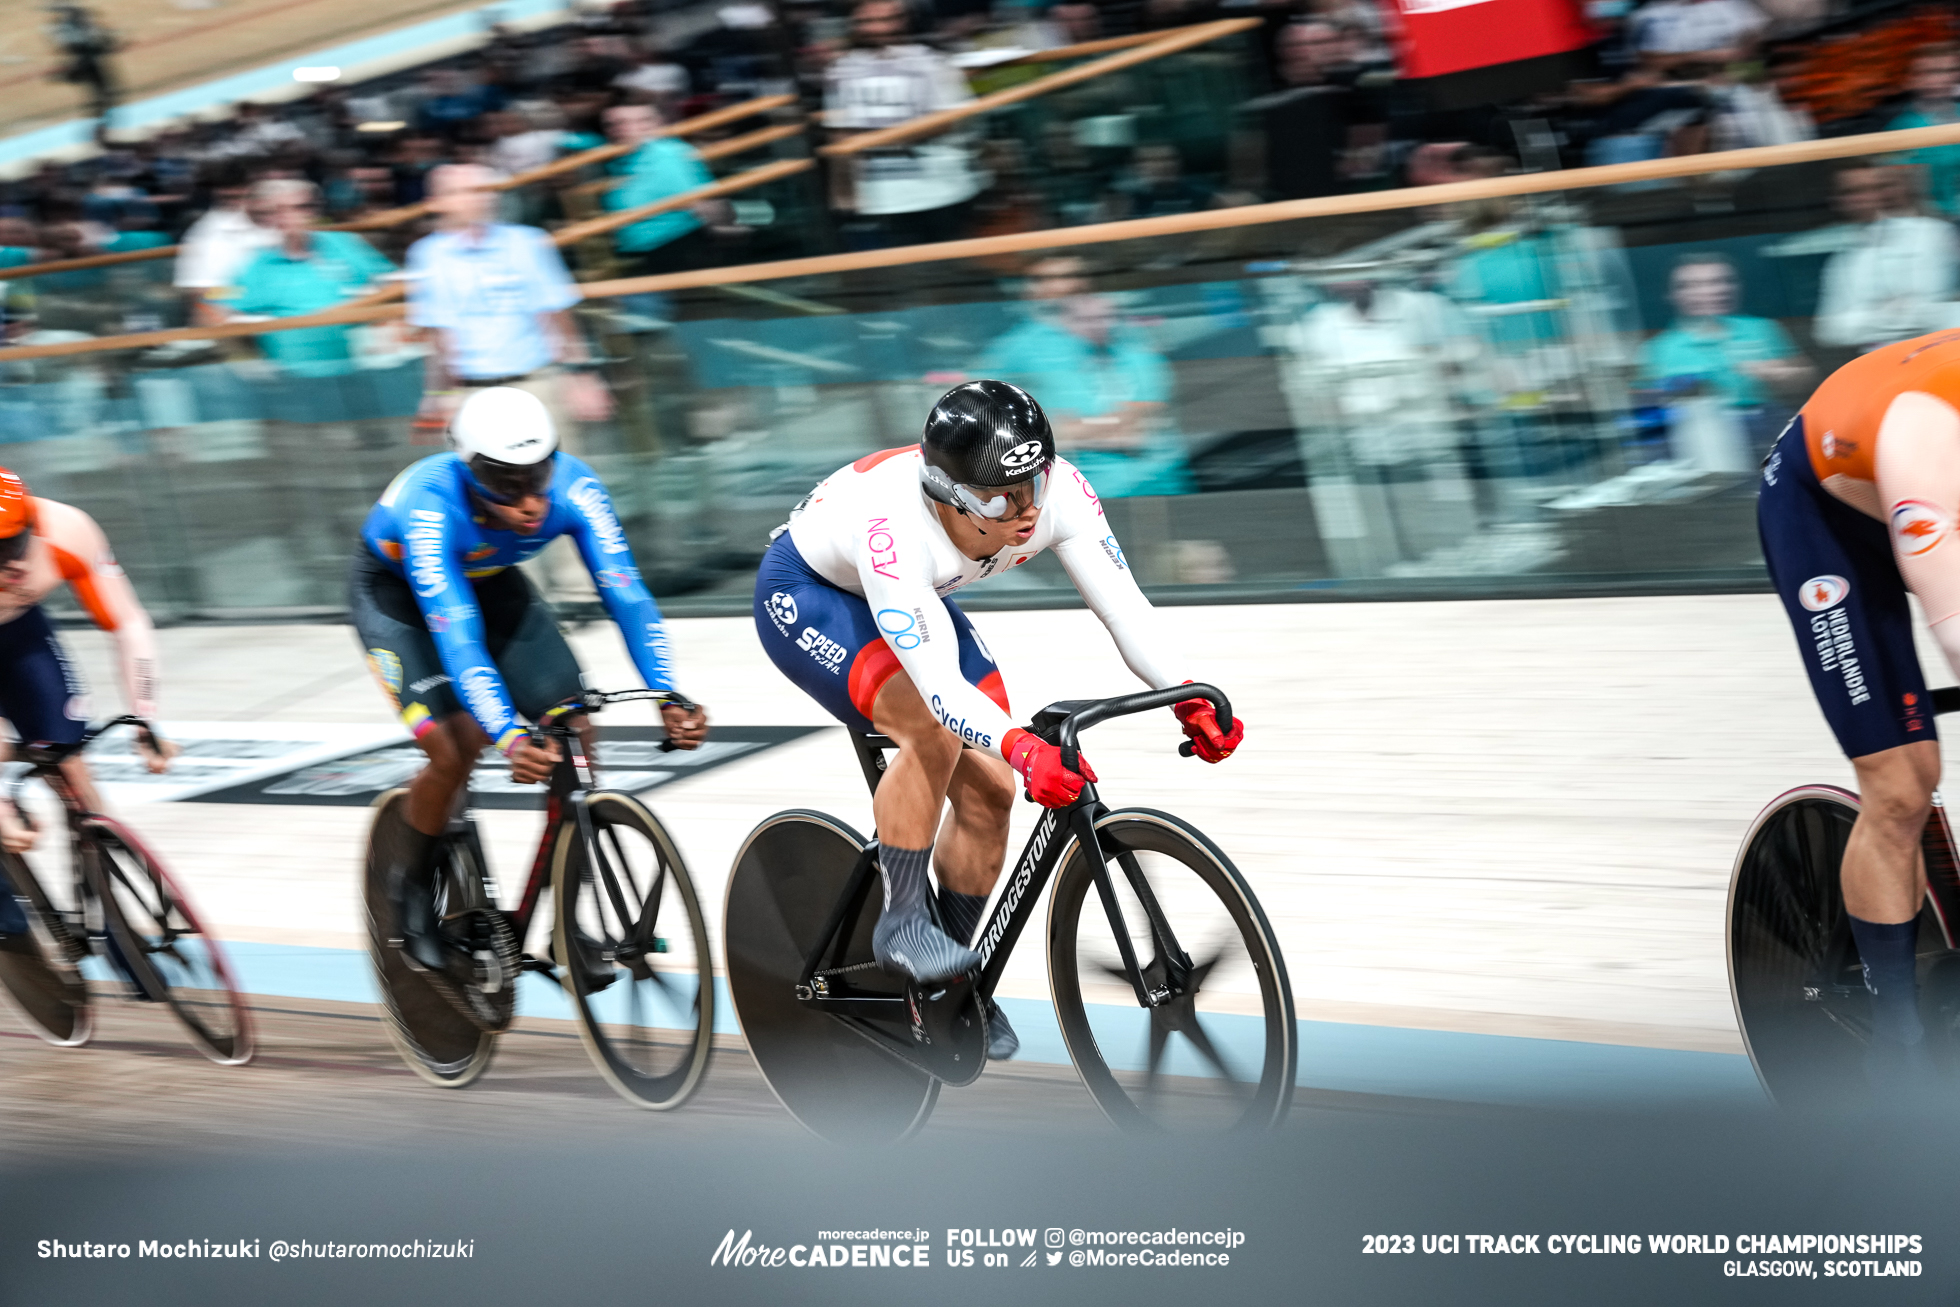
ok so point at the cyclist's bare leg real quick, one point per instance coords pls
(914, 785)
(1883, 874)
(1884, 881)
(453, 746)
(973, 838)
(75, 771)
(907, 804)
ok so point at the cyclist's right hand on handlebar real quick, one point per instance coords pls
(531, 759)
(1050, 784)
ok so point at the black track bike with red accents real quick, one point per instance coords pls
(628, 942)
(126, 910)
(1168, 985)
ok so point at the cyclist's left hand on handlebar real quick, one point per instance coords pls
(531, 759)
(686, 727)
(156, 753)
(1200, 721)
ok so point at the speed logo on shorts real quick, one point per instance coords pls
(1918, 526)
(1820, 593)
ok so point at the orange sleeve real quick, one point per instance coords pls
(81, 554)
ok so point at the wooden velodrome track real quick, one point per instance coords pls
(1510, 820)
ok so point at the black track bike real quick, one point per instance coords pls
(628, 941)
(127, 910)
(1168, 985)
(1794, 970)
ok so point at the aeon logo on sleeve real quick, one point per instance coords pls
(1918, 526)
(782, 611)
(1022, 454)
(882, 547)
(1821, 593)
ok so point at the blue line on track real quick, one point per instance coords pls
(1391, 1061)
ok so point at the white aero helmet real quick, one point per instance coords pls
(506, 438)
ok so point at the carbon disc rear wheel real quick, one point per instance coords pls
(841, 1086)
(1793, 971)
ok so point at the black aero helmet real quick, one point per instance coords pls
(985, 436)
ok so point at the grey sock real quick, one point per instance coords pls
(961, 913)
(905, 879)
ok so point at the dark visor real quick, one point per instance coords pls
(14, 547)
(507, 483)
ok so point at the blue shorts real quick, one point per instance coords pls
(41, 693)
(827, 642)
(1833, 568)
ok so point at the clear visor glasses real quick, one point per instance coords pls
(996, 502)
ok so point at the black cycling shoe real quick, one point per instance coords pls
(1002, 1042)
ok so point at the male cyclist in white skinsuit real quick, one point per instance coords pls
(851, 604)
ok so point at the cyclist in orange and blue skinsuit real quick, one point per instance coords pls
(1858, 506)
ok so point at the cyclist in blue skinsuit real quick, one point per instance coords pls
(461, 641)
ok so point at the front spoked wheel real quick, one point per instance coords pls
(37, 969)
(1219, 1050)
(159, 940)
(632, 945)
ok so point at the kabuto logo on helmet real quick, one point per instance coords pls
(1022, 454)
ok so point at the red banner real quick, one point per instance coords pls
(1436, 37)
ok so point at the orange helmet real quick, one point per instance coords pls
(16, 516)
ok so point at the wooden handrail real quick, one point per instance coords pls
(1182, 38)
(707, 154)
(394, 217)
(579, 231)
(1083, 49)
(1251, 215)
(1537, 183)
(706, 122)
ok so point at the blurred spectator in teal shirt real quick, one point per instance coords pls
(1712, 350)
(1935, 89)
(1105, 387)
(674, 241)
(306, 272)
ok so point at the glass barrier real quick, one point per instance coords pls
(1561, 393)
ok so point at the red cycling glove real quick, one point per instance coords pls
(1050, 784)
(1201, 725)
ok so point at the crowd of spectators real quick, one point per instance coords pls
(1319, 112)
